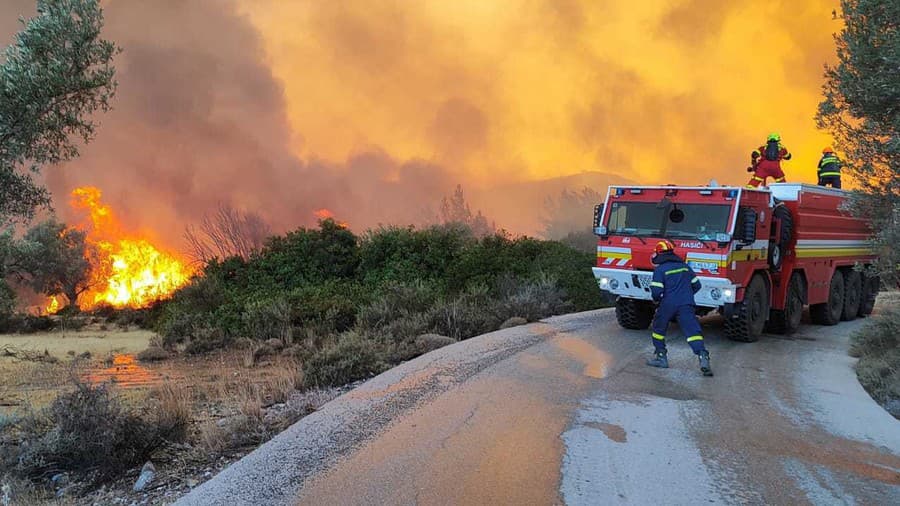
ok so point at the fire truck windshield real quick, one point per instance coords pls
(675, 220)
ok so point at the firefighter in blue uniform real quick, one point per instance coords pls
(674, 285)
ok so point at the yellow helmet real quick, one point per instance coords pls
(774, 137)
(827, 150)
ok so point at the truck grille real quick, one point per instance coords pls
(645, 280)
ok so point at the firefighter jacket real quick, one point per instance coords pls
(674, 282)
(783, 153)
(829, 165)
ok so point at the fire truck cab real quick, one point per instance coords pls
(761, 254)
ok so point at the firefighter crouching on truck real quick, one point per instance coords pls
(674, 285)
(829, 169)
(766, 162)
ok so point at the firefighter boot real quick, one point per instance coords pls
(704, 363)
(659, 360)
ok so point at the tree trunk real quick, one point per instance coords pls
(72, 297)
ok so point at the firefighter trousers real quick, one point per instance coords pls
(687, 320)
(766, 169)
(833, 181)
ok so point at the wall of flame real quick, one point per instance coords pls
(126, 270)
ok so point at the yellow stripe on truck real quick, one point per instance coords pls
(833, 252)
(618, 256)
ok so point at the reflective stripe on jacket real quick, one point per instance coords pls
(829, 165)
(674, 282)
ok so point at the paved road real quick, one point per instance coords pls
(566, 412)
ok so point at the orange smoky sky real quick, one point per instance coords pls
(376, 109)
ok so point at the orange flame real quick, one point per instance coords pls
(52, 305)
(325, 214)
(128, 271)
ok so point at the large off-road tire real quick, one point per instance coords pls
(749, 318)
(852, 294)
(787, 321)
(829, 313)
(778, 245)
(870, 286)
(634, 314)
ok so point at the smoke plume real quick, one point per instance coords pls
(375, 109)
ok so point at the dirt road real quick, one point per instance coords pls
(566, 412)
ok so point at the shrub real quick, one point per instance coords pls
(877, 344)
(206, 338)
(430, 342)
(153, 354)
(88, 430)
(468, 315)
(29, 324)
(397, 301)
(531, 300)
(7, 304)
(405, 255)
(329, 307)
(306, 256)
(268, 319)
(353, 356)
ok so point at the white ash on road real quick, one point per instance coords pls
(565, 411)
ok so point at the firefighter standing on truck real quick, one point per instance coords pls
(766, 162)
(829, 169)
(674, 285)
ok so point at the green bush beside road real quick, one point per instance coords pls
(350, 306)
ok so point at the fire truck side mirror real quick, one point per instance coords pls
(598, 218)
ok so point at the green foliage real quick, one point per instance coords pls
(352, 357)
(7, 304)
(268, 319)
(406, 255)
(330, 252)
(53, 259)
(860, 110)
(55, 75)
(347, 307)
(877, 344)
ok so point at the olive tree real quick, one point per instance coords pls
(57, 72)
(861, 109)
(54, 260)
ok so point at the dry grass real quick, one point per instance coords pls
(173, 407)
(97, 342)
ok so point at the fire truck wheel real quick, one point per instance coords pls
(787, 321)
(775, 256)
(870, 286)
(749, 318)
(829, 313)
(852, 294)
(634, 314)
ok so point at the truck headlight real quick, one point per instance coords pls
(715, 294)
(728, 293)
(604, 283)
(613, 284)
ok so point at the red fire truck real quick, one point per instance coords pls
(761, 254)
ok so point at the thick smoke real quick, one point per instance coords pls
(375, 109)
